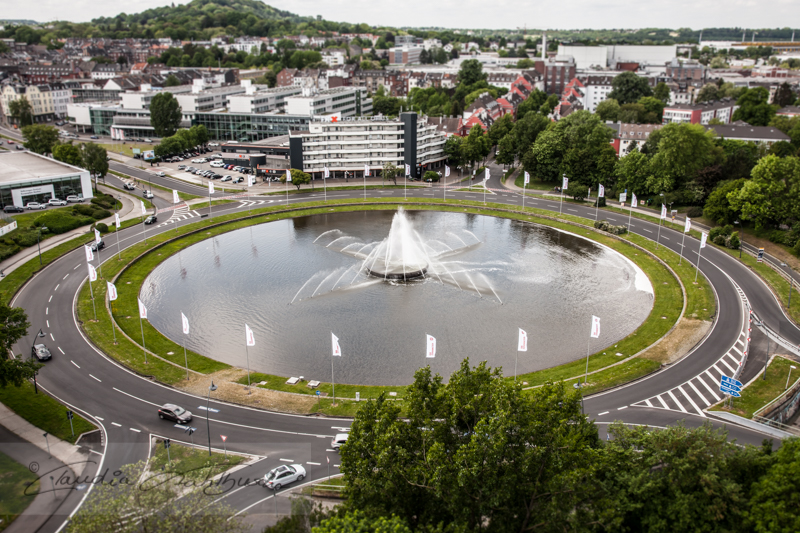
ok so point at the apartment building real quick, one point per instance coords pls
(349, 145)
(48, 101)
(701, 113)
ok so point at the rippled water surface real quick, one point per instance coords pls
(547, 282)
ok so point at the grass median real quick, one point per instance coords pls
(190, 462)
(761, 391)
(668, 300)
(43, 411)
(18, 487)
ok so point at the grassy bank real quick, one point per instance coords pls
(319, 189)
(43, 411)
(18, 487)
(668, 302)
(189, 462)
(762, 391)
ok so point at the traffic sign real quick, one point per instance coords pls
(318, 392)
(69, 414)
(166, 443)
(760, 257)
(224, 438)
(725, 380)
(730, 391)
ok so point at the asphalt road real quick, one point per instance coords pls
(124, 405)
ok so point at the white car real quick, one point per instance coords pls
(75, 198)
(283, 475)
(197, 161)
(56, 201)
(226, 178)
(338, 440)
(148, 195)
(160, 174)
(217, 164)
(35, 205)
(213, 144)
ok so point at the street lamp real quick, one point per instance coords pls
(36, 372)
(211, 389)
(38, 237)
(741, 242)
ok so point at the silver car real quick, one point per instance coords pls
(283, 475)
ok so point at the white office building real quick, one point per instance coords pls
(260, 98)
(342, 101)
(30, 177)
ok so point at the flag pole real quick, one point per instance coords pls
(113, 330)
(365, 184)
(91, 292)
(699, 256)
(247, 351)
(144, 348)
(561, 204)
(630, 211)
(658, 239)
(333, 382)
(325, 187)
(682, 241)
(209, 202)
(586, 374)
(185, 358)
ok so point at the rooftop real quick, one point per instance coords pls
(749, 132)
(20, 166)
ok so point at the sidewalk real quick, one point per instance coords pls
(128, 211)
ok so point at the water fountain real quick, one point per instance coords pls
(400, 255)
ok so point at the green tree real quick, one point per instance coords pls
(632, 171)
(471, 72)
(390, 172)
(475, 146)
(269, 78)
(662, 92)
(200, 134)
(654, 106)
(172, 81)
(21, 111)
(707, 93)
(628, 88)
(772, 196)
(431, 176)
(471, 452)
(40, 139)
(507, 149)
(95, 160)
(718, 208)
(532, 103)
(500, 129)
(754, 107)
(453, 150)
(784, 95)
(68, 153)
(527, 130)
(681, 151)
(357, 522)
(13, 327)
(607, 110)
(298, 178)
(165, 114)
(774, 497)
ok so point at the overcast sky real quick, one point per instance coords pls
(490, 14)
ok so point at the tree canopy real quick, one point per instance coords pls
(165, 114)
(628, 88)
(39, 138)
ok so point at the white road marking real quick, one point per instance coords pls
(573, 210)
(71, 361)
(603, 413)
(314, 464)
(46, 310)
(115, 424)
(65, 277)
(336, 466)
(621, 408)
(726, 364)
(136, 430)
(699, 411)
(91, 376)
(648, 403)
(660, 399)
(698, 393)
(57, 286)
(53, 338)
(51, 299)
(712, 391)
(675, 399)
(715, 367)
(286, 460)
(62, 351)
(76, 266)
(48, 323)
(100, 419)
(647, 230)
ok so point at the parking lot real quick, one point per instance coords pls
(224, 178)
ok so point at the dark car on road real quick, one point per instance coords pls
(40, 352)
(176, 413)
(13, 209)
(98, 245)
(152, 219)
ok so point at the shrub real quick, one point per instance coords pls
(104, 201)
(723, 231)
(733, 241)
(101, 227)
(85, 210)
(98, 214)
(7, 251)
(578, 192)
(603, 225)
(694, 212)
(26, 237)
(601, 200)
(796, 248)
(59, 221)
(720, 240)
(777, 236)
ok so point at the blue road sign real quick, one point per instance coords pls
(725, 380)
(318, 392)
(729, 391)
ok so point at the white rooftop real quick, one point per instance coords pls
(20, 166)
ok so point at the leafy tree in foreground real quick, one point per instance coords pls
(775, 498)
(681, 150)
(390, 172)
(718, 208)
(772, 196)
(298, 178)
(632, 171)
(95, 160)
(754, 107)
(40, 139)
(13, 327)
(608, 109)
(165, 114)
(21, 111)
(68, 153)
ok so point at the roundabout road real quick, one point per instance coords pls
(124, 404)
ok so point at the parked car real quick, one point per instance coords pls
(75, 198)
(57, 201)
(181, 167)
(213, 144)
(10, 141)
(283, 475)
(94, 137)
(216, 164)
(338, 440)
(35, 205)
(40, 352)
(148, 140)
(98, 245)
(237, 179)
(148, 194)
(227, 178)
(13, 209)
(176, 413)
(152, 219)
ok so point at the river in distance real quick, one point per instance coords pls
(519, 275)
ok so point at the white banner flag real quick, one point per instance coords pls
(703, 239)
(366, 170)
(326, 173)
(210, 187)
(142, 309)
(408, 170)
(446, 171)
(335, 349)
(97, 236)
(89, 253)
(663, 212)
(116, 220)
(144, 209)
(431, 351)
(486, 172)
(288, 175)
(688, 225)
(522, 345)
(601, 192)
(623, 197)
(527, 178)
(633, 199)
(92, 273)
(112, 291)
(564, 182)
(185, 322)
(251, 180)
(595, 327)
(175, 198)
(250, 339)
